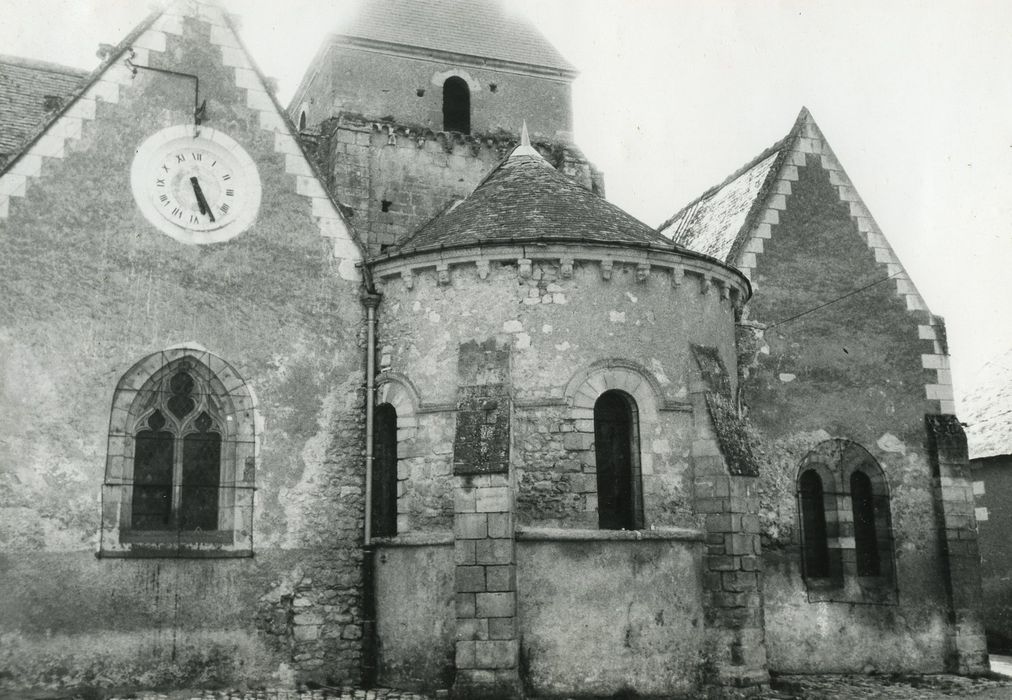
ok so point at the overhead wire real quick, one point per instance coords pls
(833, 301)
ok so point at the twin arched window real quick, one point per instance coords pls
(843, 502)
(177, 459)
(616, 447)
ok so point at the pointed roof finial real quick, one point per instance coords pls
(525, 148)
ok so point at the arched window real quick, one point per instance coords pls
(456, 105)
(865, 540)
(181, 461)
(846, 529)
(616, 444)
(815, 543)
(177, 458)
(384, 472)
(302, 121)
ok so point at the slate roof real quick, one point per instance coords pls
(477, 28)
(525, 199)
(24, 86)
(717, 222)
(987, 410)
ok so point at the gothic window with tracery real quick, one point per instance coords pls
(177, 461)
(180, 469)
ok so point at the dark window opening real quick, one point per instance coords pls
(384, 472)
(302, 121)
(619, 501)
(51, 103)
(865, 538)
(456, 106)
(813, 526)
(153, 460)
(492, 87)
(420, 92)
(198, 508)
(177, 464)
(385, 204)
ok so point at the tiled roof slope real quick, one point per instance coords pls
(987, 410)
(479, 28)
(716, 222)
(524, 199)
(24, 86)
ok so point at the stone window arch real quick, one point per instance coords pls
(180, 467)
(631, 396)
(855, 517)
(456, 105)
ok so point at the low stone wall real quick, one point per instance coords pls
(605, 612)
(415, 615)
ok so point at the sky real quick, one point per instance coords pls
(674, 95)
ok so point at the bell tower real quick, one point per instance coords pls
(410, 103)
(447, 65)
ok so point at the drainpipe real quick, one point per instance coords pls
(369, 647)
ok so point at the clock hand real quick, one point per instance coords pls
(201, 201)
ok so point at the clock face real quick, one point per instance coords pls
(198, 188)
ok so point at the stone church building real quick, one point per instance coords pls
(381, 389)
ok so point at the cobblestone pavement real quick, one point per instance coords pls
(900, 687)
(323, 694)
(822, 687)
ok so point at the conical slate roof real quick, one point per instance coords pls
(525, 200)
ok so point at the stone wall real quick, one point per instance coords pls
(416, 621)
(410, 90)
(993, 489)
(91, 287)
(852, 369)
(582, 335)
(544, 337)
(634, 623)
(393, 177)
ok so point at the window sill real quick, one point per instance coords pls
(867, 590)
(171, 544)
(176, 537)
(567, 534)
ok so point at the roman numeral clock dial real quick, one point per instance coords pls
(198, 188)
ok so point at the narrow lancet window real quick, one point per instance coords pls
(865, 536)
(813, 525)
(153, 461)
(616, 440)
(384, 472)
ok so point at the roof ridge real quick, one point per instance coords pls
(91, 78)
(710, 191)
(38, 64)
